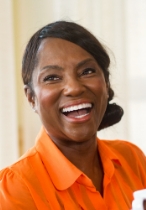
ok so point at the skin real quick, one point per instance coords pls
(67, 75)
(144, 204)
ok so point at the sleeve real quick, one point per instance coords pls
(132, 158)
(139, 162)
(14, 195)
(136, 160)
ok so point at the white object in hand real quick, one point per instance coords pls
(139, 197)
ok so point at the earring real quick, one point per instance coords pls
(33, 108)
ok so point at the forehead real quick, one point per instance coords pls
(59, 50)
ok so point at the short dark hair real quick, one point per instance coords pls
(78, 35)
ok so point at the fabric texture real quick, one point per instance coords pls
(44, 178)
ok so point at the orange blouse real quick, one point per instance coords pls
(45, 179)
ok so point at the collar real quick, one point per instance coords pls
(109, 156)
(61, 171)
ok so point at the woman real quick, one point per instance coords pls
(66, 81)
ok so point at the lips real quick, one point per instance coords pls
(77, 111)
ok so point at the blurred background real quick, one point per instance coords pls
(119, 24)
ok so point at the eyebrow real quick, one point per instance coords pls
(80, 64)
(52, 67)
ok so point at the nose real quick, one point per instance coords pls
(73, 87)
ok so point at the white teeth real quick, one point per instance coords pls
(80, 116)
(77, 107)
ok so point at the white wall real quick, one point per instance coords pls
(8, 113)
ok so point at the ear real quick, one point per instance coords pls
(30, 96)
(107, 88)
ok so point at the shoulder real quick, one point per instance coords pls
(13, 186)
(21, 168)
(131, 158)
(129, 155)
(24, 162)
(8, 176)
(13, 183)
(125, 148)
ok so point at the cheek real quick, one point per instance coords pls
(99, 88)
(100, 91)
(47, 98)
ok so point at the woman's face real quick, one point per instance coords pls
(70, 93)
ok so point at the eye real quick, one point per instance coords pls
(88, 71)
(51, 78)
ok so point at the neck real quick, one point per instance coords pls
(85, 156)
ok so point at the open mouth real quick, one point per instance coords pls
(77, 111)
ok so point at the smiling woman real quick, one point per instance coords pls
(66, 81)
(76, 80)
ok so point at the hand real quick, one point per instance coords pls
(144, 204)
